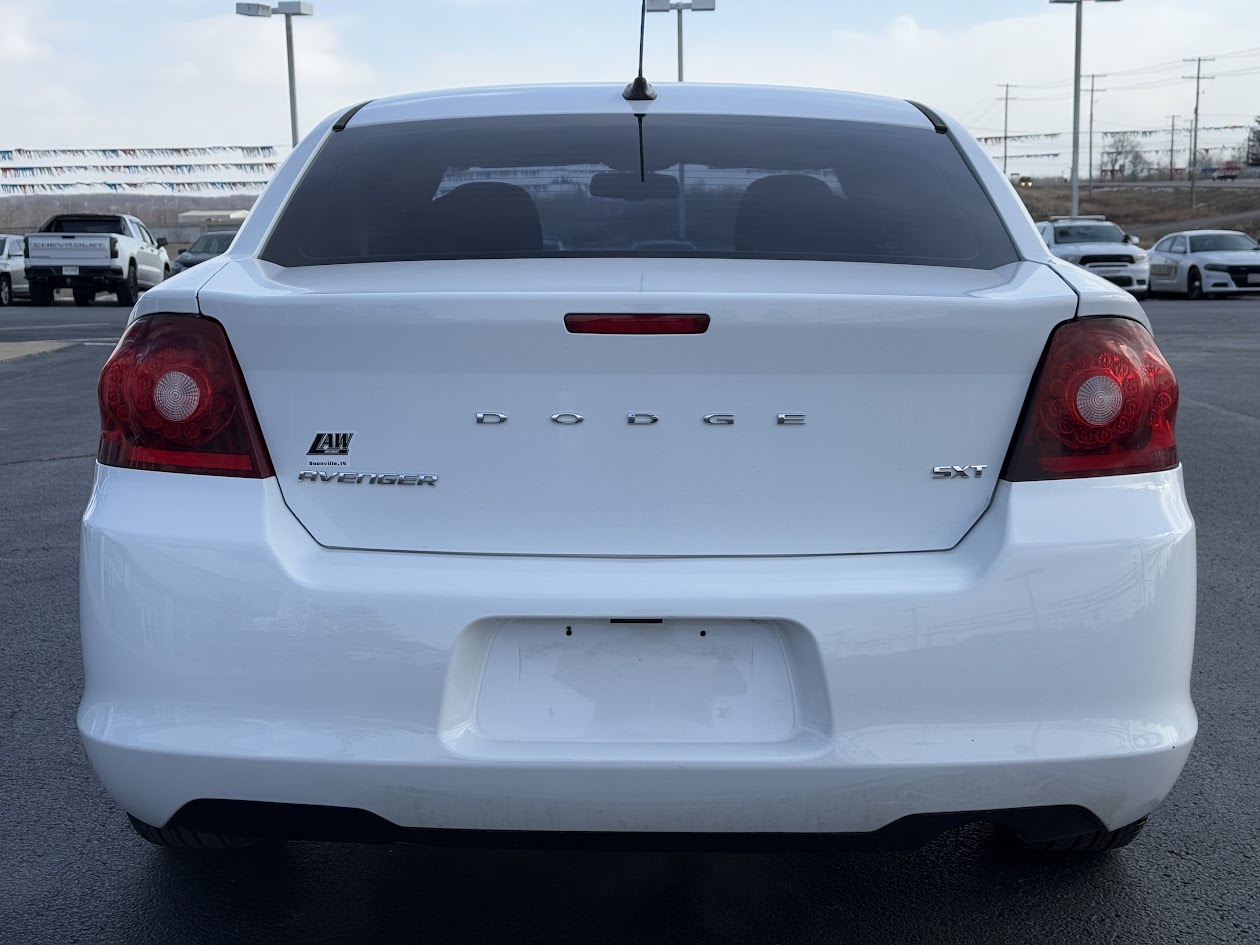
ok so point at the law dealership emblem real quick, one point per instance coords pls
(330, 444)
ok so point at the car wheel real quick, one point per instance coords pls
(182, 839)
(128, 294)
(6, 291)
(1194, 286)
(1099, 841)
(41, 295)
(84, 297)
(166, 273)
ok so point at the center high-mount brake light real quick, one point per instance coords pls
(636, 324)
(172, 399)
(1104, 403)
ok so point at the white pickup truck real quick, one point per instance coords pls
(91, 253)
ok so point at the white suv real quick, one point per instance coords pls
(1101, 247)
(490, 483)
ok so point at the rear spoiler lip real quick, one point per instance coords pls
(340, 123)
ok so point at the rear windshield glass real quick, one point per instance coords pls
(1088, 233)
(86, 225)
(1222, 243)
(705, 186)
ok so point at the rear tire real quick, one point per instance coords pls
(41, 295)
(1100, 841)
(1194, 286)
(177, 838)
(84, 297)
(130, 291)
(6, 291)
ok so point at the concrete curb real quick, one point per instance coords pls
(12, 350)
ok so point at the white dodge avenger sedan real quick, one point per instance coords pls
(737, 465)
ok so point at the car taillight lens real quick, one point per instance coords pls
(1104, 403)
(173, 399)
(113, 247)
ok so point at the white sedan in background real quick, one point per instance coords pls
(1202, 263)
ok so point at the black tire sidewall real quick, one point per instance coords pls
(129, 293)
(1194, 287)
(6, 291)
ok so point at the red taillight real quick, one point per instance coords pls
(173, 399)
(1104, 403)
(638, 324)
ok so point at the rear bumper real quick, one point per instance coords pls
(1042, 663)
(103, 278)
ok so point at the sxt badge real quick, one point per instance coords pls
(957, 472)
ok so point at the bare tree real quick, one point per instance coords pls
(1128, 159)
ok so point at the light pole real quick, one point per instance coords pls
(1076, 107)
(288, 9)
(664, 6)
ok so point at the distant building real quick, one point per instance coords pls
(213, 219)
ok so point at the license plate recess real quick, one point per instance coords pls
(629, 681)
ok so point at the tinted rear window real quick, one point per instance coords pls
(707, 186)
(86, 225)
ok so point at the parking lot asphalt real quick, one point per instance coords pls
(64, 321)
(72, 871)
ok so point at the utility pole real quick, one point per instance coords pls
(1076, 120)
(1172, 150)
(1193, 164)
(1006, 125)
(1092, 78)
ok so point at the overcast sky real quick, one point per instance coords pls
(144, 73)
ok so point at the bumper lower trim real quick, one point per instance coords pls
(258, 819)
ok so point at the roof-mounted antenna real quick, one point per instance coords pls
(639, 90)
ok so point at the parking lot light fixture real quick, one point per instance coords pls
(696, 6)
(288, 9)
(1076, 107)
